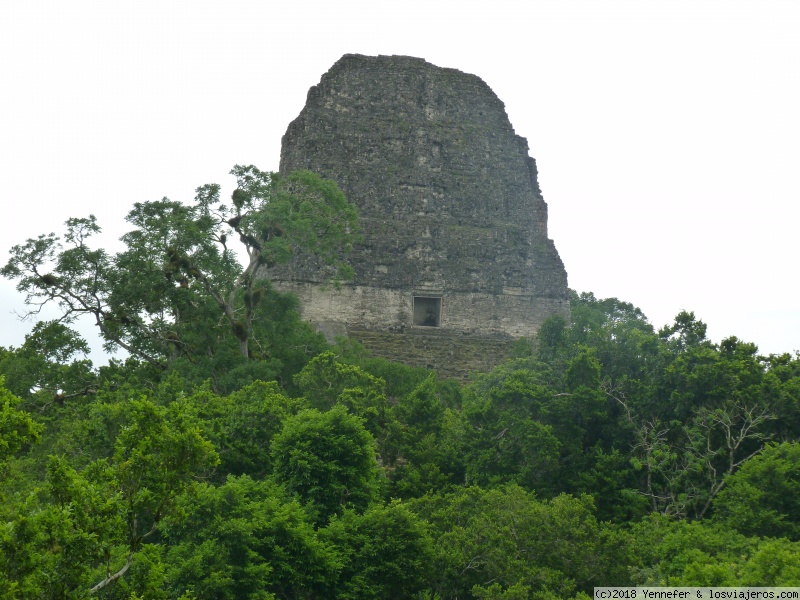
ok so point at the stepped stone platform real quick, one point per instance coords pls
(450, 356)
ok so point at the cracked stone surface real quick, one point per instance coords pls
(448, 200)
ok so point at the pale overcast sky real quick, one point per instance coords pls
(667, 133)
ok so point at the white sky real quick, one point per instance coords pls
(667, 133)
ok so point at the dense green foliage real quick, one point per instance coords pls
(605, 453)
(176, 296)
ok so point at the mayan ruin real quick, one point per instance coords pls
(456, 262)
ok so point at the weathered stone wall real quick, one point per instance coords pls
(451, 355)
(337, 311)
(448, 201)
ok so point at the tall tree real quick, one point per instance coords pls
(763, 497)
(178, 288)
(328, 459)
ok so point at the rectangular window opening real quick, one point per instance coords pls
(427, 311)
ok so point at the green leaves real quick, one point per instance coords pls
(56, 548)
(145, 486)
(680, 553)
(48, 367)
(84, 529)
(505, 438)
(71, 278)
(245, 539)
(17, 428)
(506, 536)
(763, 497)
(327, 459)
(326, 382)
(177, 290)
(276, 217)
(157, 456)
(243, 424)
(386, 552)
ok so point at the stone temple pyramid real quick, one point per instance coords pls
(455, 262)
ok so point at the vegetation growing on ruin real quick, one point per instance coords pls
(607, 452)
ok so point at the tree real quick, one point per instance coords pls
(620, 334)
(17, 429)
(327, 459)
(56, 547)
(686, 332)
(579, 414)
(721, 441)
(673, 552)
(423, 450)
(781, 384)
(505, 536)
(763, 497)
(50, 366)
(774, 563)
(682, 553)
(157, 457)
(243, 539)
(242, 425)
(326, 382)
(84, 530)
(505, 438)
(386, 552)
(552, 337)
(178, 289)
(684, 466)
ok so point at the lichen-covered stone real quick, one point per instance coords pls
(448, 200)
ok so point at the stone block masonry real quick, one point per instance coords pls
(455, 242)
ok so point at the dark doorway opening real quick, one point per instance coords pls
(427, 311)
